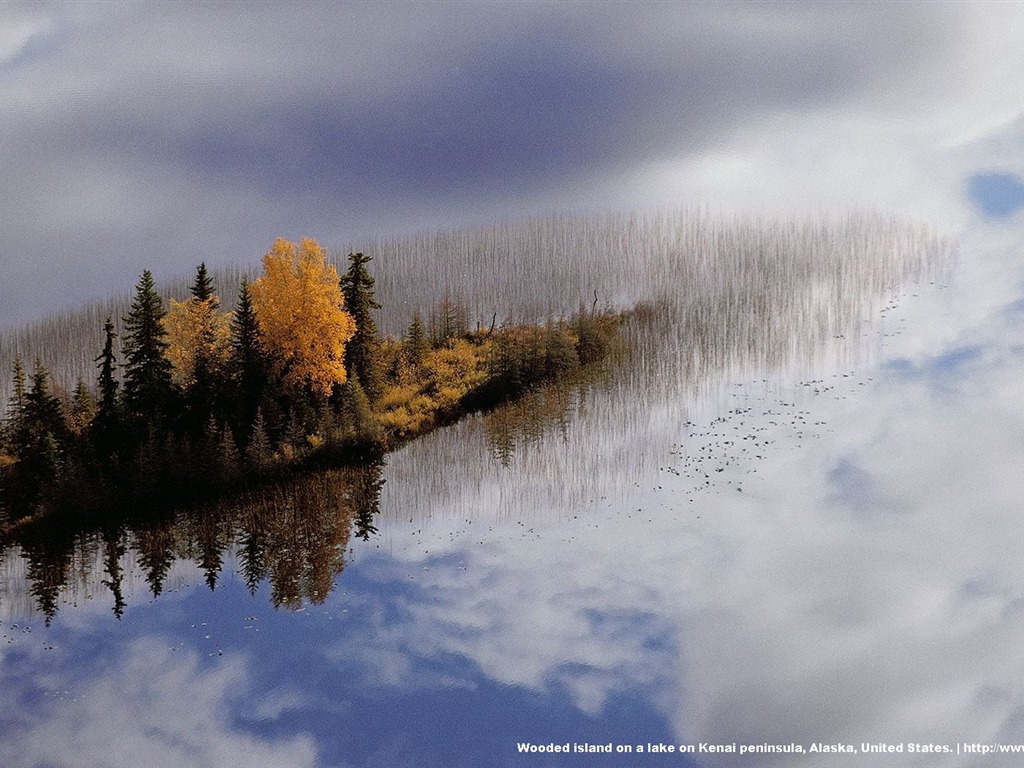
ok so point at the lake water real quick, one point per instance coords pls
(793, 527)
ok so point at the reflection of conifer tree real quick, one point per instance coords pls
(500, 435)
(211, 547)
(514, 425)
(366, 483)
(48, 554)
(113, 551)
(284, 553)
(153, 544)
(251, 551)
(308, 524)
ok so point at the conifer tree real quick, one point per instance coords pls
(365, 425)
(229, 460)
(416, 344)
(259, 451)
(83, 408)
(448, 321)
(202, 288)
(362, 351)
(148, 391)
(17, 403)
(15, 417)
(248, 362)
(44, 433)
(43, 409)
(197, 337)
(106, 424)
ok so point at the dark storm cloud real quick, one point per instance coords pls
(528, 104)
(140, 135)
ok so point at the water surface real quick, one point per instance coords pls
(797, 526)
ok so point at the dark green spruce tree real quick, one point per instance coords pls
(362, 353)
(416, 344)
(83, 408)
(248, 364)
(201, 397)
(44, 438)
(148, 392)
(14, 421)
(202, 288)
(104, 433)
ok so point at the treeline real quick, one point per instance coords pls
(191, 400)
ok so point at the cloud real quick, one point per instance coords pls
(209, 130)
(153, 707)
(202, 131)
(895, 623)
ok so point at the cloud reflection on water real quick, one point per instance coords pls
(153, 707)
(862, 585)
(865, 588)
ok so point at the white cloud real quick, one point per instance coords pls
(899, 145)
(186, 134)
(156, 707)
(789, 612)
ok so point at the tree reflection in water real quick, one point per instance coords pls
(293, 534)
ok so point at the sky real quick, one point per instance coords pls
(157, 135)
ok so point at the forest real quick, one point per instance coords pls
(191, 402)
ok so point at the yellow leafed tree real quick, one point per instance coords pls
(301, 314)
(195, 331)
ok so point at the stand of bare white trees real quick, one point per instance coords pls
(732, 285)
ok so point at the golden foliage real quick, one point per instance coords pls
(412, 405)
(301, 313)
(455, 370)
(195, 329)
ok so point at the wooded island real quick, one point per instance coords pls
(201, 401)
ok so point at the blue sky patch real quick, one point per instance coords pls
(996, 194)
